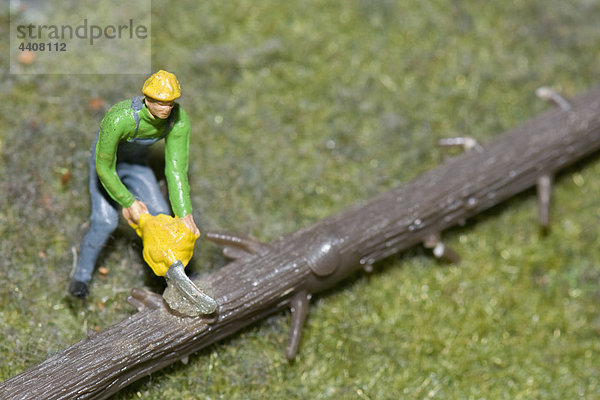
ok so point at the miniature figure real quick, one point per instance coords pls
(120, 174)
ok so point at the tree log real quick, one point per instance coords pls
(285, 273)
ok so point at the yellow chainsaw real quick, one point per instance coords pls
(168, 247)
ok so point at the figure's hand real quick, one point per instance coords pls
(188, 220)
(133, 212)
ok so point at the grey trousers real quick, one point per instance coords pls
(140, 180)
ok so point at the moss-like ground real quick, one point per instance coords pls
(299, 109)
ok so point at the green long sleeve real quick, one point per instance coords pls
(119, 126)
(177, 153)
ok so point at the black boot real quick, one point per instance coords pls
(79, 289)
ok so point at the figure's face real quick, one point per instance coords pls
(159, 109)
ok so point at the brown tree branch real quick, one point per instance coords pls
(285, 273)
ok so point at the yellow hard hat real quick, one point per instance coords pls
(162, 86)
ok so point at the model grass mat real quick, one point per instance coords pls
(300, 110)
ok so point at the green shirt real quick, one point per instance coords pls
(118, 125)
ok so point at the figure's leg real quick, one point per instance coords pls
(104, 220)
(142, 183)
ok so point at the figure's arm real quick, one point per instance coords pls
(112, 129)
(177, 154)
(177, 144)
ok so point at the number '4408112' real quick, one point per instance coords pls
(45, 46)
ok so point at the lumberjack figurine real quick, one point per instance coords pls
(120, 174)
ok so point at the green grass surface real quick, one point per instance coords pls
(300, 109)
